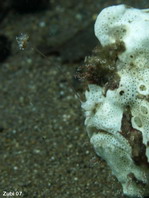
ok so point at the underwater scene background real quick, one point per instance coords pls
(44, 147)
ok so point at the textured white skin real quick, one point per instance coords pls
(104, 113)
(127, 24)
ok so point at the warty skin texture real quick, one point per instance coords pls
(117, 118)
